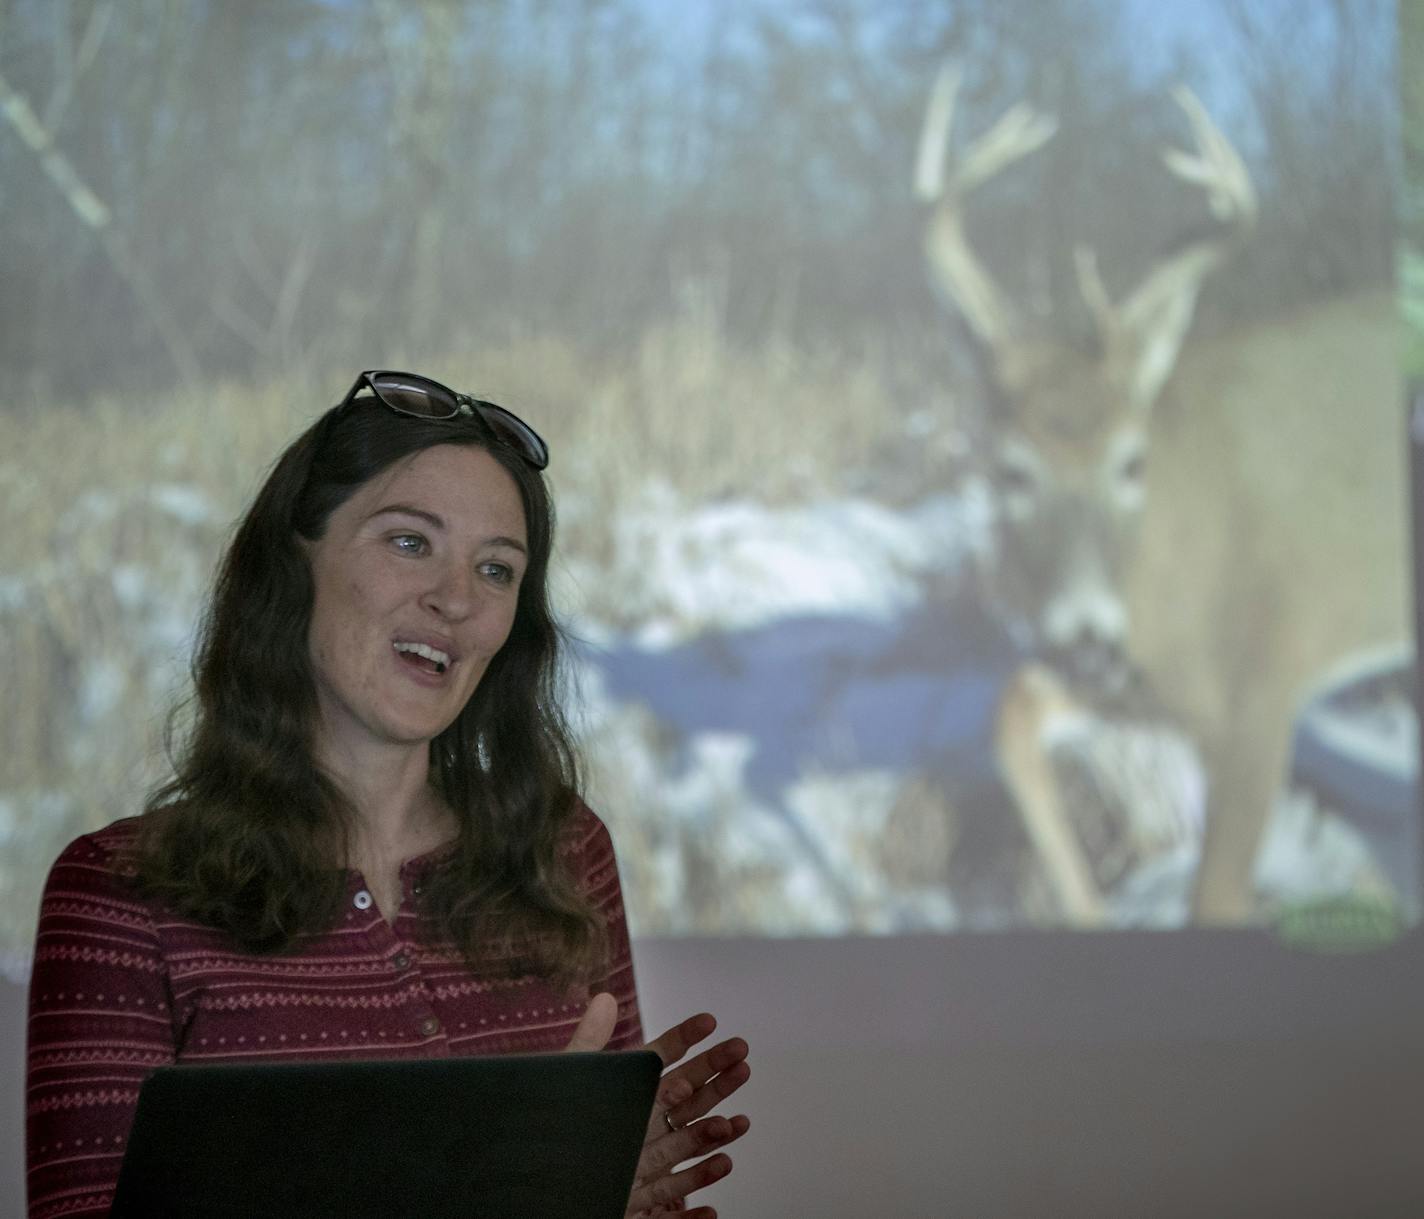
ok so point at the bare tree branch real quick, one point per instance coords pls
(94, 215)
(70, 64)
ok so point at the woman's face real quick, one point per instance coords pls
(416, 585)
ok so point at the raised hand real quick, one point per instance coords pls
(680, 1129)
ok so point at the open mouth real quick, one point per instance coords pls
(423, 657)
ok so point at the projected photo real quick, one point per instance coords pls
(977, 429)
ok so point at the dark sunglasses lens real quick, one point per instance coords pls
(419, 396)
(514, 432)
(415, 396)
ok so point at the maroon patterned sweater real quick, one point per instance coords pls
(120, 986)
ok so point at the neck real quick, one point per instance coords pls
(396, 812)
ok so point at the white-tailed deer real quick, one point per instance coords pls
(1267, 543)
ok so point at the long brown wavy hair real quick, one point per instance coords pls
(249, 835)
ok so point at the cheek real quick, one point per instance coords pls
(484, 638)
(494, 633)
(342, 612)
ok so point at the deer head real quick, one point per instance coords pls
(1067, 428)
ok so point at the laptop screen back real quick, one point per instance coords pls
(545, 1135)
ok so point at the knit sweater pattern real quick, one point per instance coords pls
(121, 986)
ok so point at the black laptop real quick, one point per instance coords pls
(542, 1135)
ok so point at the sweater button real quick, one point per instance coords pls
(429, 1026)
(401, 960)
(362, 900)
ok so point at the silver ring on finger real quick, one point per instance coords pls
(667, 1121)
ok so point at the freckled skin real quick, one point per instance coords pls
(385, 575)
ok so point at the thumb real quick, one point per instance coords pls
(596, 1027)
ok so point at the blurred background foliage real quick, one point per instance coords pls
(299, 182)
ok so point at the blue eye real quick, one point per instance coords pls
(409, 543)
(501, 573)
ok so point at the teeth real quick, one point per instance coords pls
(424, 649)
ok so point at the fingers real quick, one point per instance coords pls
(670, 1189)
(722, 1069)
(672, 1091)
(721, 1057)
(709, 1095)
(662, 1155)
(698, 1087)
(596, 1027)
(673, 1044)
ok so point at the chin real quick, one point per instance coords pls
(417, 730)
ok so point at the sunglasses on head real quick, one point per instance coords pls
(409, 393)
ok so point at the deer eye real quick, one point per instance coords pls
(1017, 487)
(1127, 480)
(1015, 478)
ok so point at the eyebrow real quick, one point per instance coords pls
(438, 522)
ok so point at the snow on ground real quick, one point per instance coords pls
(686, 820)
(1308, 854)
(95, 635)
(679, 569)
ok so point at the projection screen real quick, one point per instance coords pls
(976, 428)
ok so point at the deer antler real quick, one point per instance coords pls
(1153, 320)
(1216, 166)
(957, 272)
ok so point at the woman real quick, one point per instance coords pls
(372, 846)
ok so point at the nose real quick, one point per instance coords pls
(453, 592)
(1085, 634)
(1090, 658)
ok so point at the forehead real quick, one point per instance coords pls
(463, 485)
(1071, 409)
